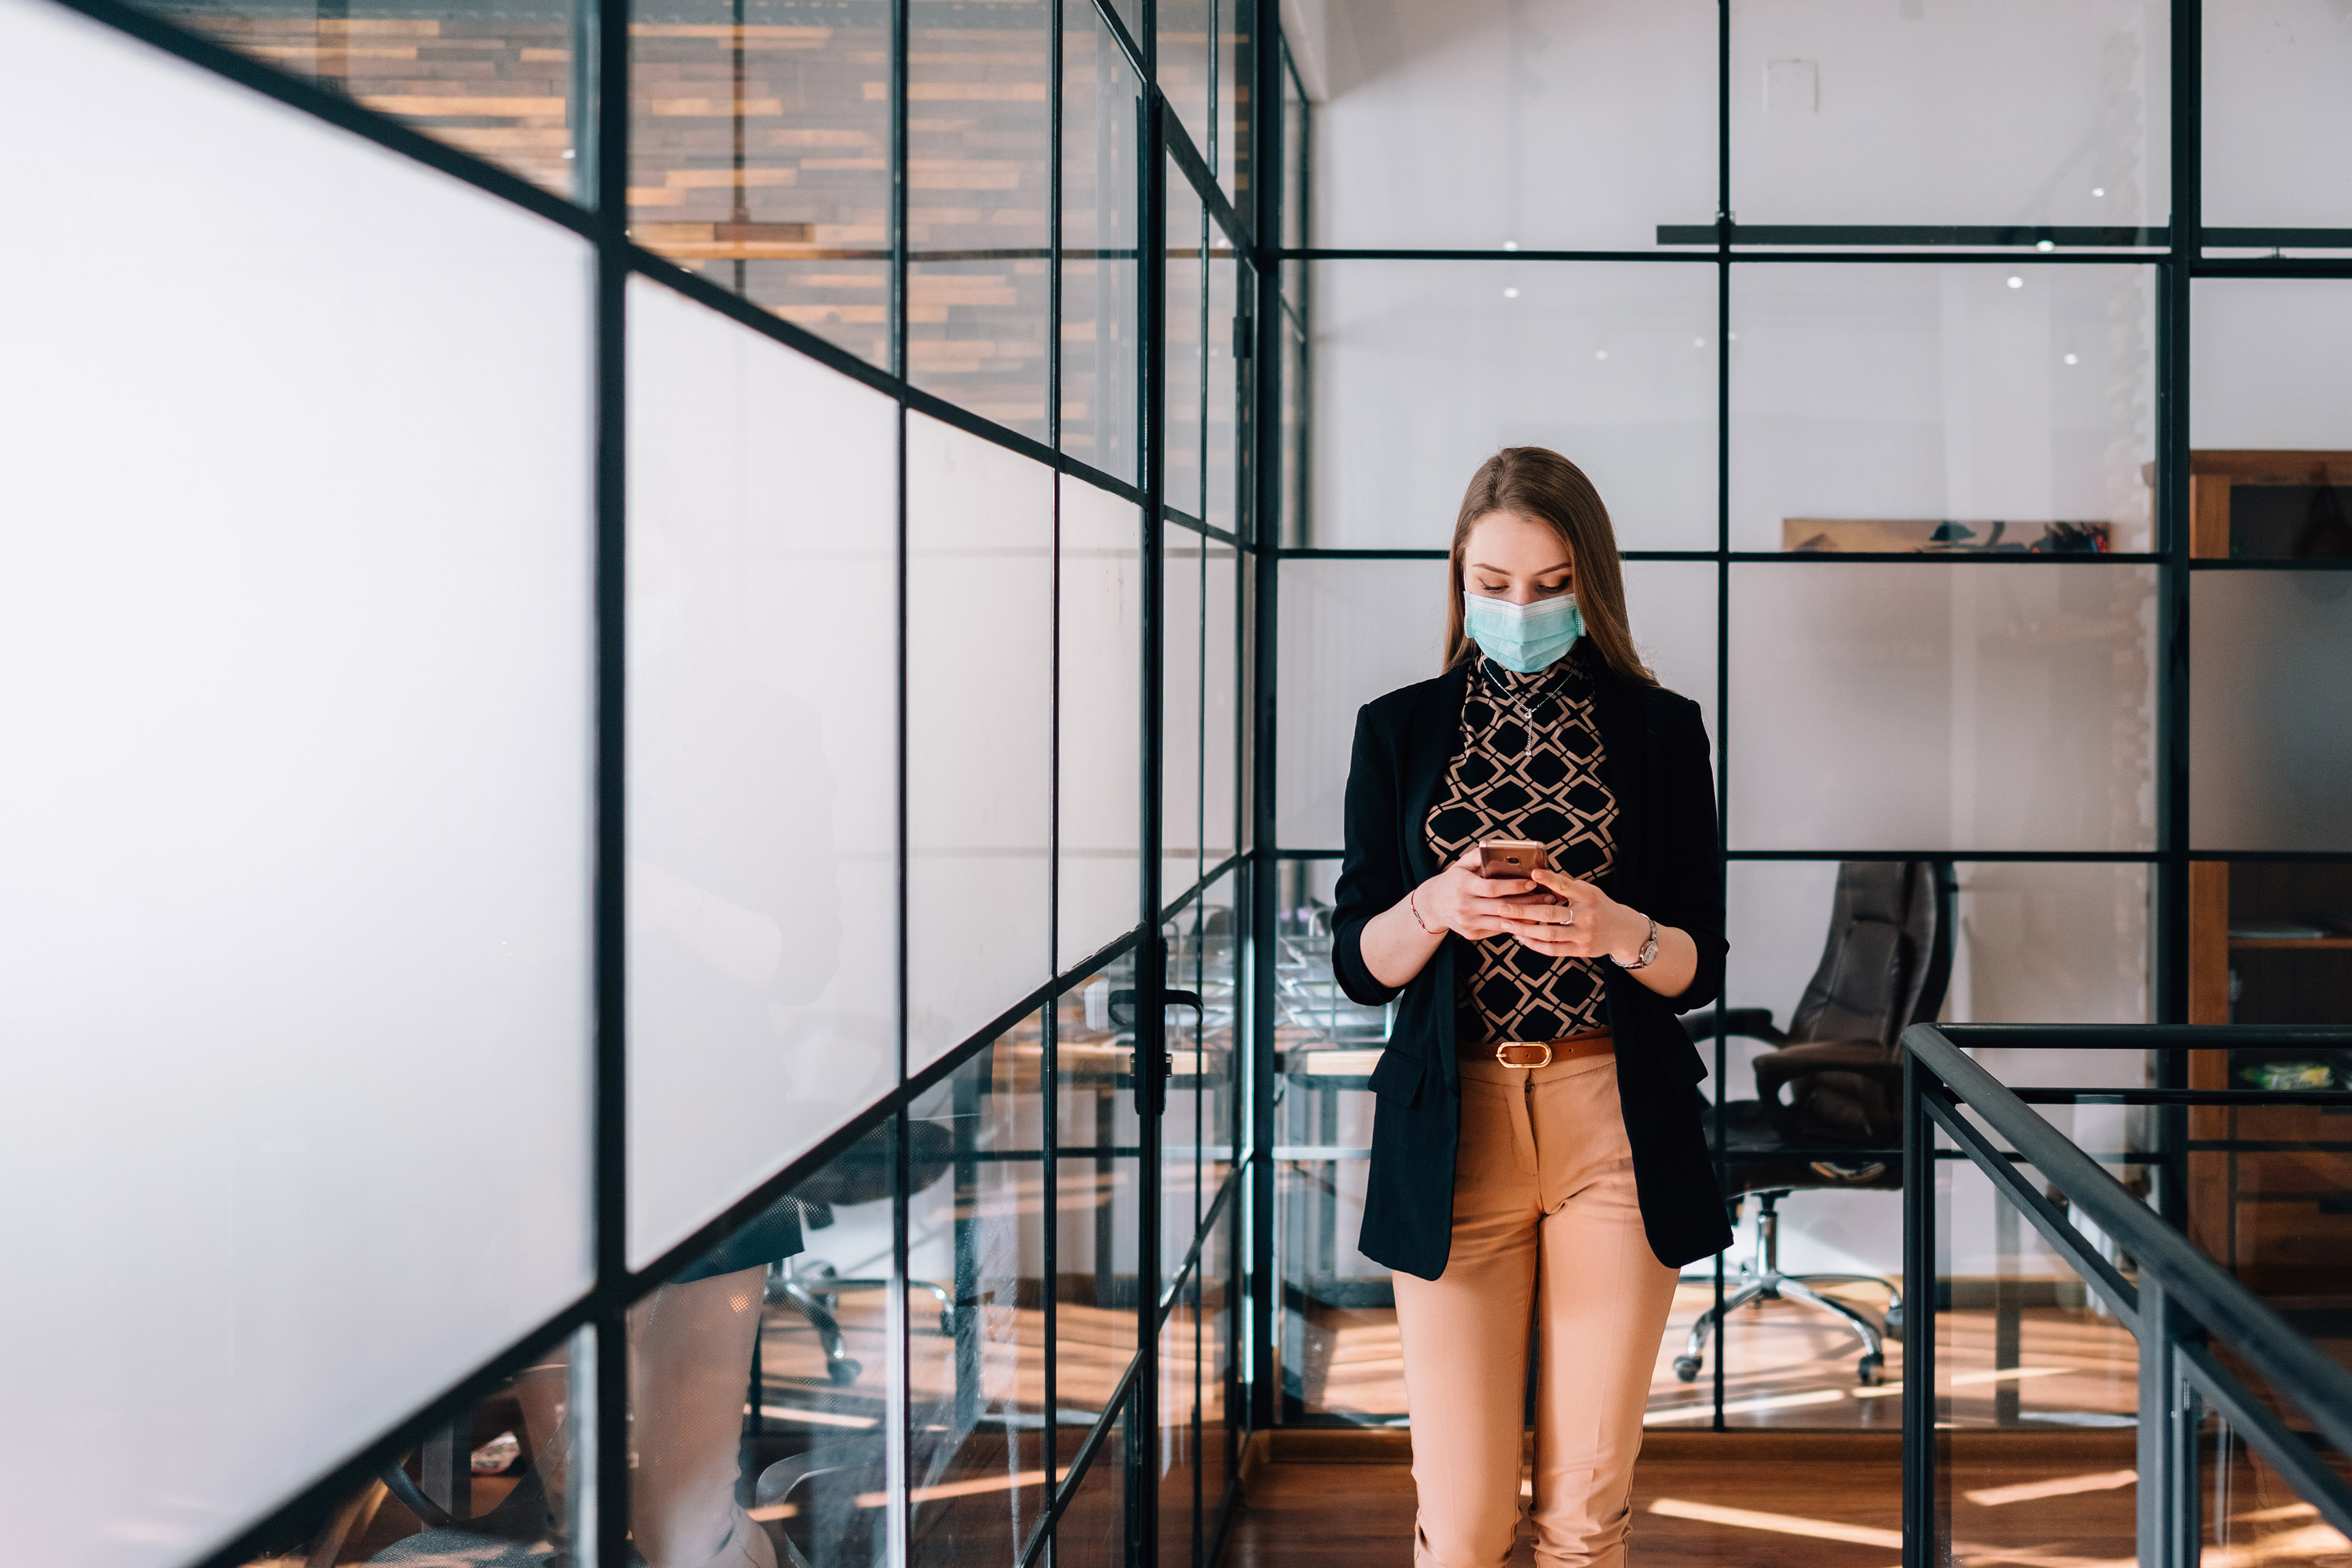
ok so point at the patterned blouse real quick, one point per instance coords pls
(1530, 766)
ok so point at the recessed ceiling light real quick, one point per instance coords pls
(1511, 245)
(2071, 360)
(2098, 190)
(1698, 342)
(1601, 354)
(1510, 293)
(2017, 282)
(2045, 245)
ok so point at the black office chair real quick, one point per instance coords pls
(1834, 1079)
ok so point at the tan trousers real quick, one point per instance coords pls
(1546, 1223)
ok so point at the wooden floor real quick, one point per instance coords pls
(1785, 1499)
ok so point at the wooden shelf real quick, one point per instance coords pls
(2289, 942)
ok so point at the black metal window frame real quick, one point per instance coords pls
(603, 119)
(2174, 253)
(2179, 1305)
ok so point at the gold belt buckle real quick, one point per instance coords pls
(1505, 1054)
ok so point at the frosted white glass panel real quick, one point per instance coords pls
(1352, 630)
(762, 759)
(979, 721)
(1671, 607)
(1423, 369)
(1480, 123)
(1102, 733)
(2270, 711)
(2277, 117)
(1913, 395)
(1180, 625)
(1933, 705)
(2271, 364)
(1222, 704)
(2006, 112)
(294, 769)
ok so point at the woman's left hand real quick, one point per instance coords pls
(1585, 923)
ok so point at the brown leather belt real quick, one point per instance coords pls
(1543, 1053)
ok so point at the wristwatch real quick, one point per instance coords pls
(1647, 956)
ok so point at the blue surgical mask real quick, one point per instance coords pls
(1522, 638)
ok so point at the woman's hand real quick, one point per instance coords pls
(1460, 900)
(1579, 921)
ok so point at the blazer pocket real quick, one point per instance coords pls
(1397, 1076)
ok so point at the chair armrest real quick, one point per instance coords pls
(1746, 1023)
(1865, 1058)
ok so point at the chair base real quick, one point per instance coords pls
(1761, 1280)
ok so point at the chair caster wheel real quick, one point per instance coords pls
(843, 1372)
(1686, 1368)
(1871, 1369)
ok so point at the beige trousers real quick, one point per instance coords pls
(1545, 1225)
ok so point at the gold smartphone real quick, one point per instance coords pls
(1511, 857)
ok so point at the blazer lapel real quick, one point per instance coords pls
(1428, 750)
(1625, 763)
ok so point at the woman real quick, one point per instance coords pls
(1538, 1149)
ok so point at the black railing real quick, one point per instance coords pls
(2179, 1303)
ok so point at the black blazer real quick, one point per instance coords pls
(1657, 766)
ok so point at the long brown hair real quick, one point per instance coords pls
(1544, 487)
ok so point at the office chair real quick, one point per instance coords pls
(1887, 966)
(860, 1173)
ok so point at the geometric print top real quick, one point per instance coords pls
(1529, 766)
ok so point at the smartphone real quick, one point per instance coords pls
(1511, 857)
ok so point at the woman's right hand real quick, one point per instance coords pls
(1462, 900)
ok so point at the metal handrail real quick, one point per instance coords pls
(2180, 1299)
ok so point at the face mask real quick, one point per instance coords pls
(1522, 638)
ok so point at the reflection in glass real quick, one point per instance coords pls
(1183, 629)
(1945, 409)
(1979, 707)
(978, 1475)
(1177, 1455)
(2037, 1380)
(1236, 64)
(490, 78)
(1095, 1211)
(979, 689)
(1102, 111)
(1220, 1394)
(1187, 301)
(1182, 66)
(979, 202)
(1101, 632)
(2270, 698)
(1847, 112)
(1544, 124)
(1222, 423)
(491, 1482)
(1214, 939)
(1092, 1531)
(814, 1466)
(1222, 702)
(759, 157)
(1424, 368)
(762, 781)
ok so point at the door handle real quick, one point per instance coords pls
(1150, 1088)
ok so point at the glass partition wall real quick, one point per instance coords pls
(1989, 501)
(761, 881)
(736, 522)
